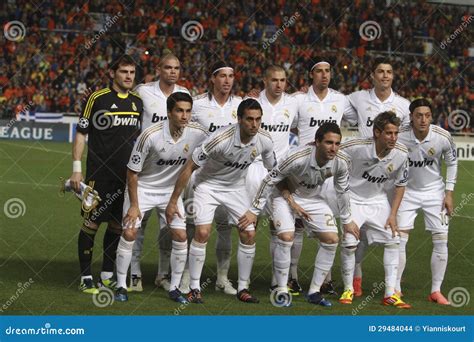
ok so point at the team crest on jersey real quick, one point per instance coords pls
(394, 109)
(278, 224)
(254, 153)
(334, 108)
(186, 148)
(234, 114)
(390, 168)
(134, 107)
(431, 151)
(286, 114)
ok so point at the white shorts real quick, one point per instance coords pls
(322, 217)
(147, 200)
(207, 199)
(371, 218)
(431, 203)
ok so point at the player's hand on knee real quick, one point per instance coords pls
(299, 211)
(76, 180)
(392, 224)
(352, 228)
(130, 219)
(171, 211)
(246, 220)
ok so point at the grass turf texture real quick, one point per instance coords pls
(41, 245)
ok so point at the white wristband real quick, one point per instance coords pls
(76, 166)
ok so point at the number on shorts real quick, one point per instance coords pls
(444, 218)
(330, 221)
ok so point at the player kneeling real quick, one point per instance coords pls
(223, 160)
(427, 145)
(305, 170)
(158, 156)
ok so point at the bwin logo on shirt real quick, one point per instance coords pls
(179, 161)
(118, 121)
(158, 118)
(313, 122)
(372, 179)
(238, 165)
(276, 128)
(420, 163)
(213, 127)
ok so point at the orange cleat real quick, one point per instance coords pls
(357, 285)
(438, 298)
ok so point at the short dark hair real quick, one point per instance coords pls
(248, 104)
(122, 60)
(385, 118)
(380, 60)
(179, 96)
(327, 127)
(421, 102)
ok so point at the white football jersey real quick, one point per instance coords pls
(368, 173)
(158, 159)
(313, 112)
(425, 159)
(368, 106)
(224, 159)
(208, 113)
(154, 102)
(305, 176)
(277, 120)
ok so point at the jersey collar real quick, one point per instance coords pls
(427, 138)
(121, 96)
(313, 97)
(167, 135)
(238, 142)
(374, 97)
(264, 99)
(314, 164)
(214, 103)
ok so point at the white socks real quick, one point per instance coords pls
(124, 256)
(439, 260)
(223, 251)
(360, 252)
(179, 255)
(245, 256)
(281, 263)
(296, 253)
(322, 265)
(402, 260)
(273, 243)
(197, 256)
(347, 267)
(390, 265)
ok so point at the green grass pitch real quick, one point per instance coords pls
(39, 271)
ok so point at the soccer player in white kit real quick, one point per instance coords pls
(318, 105)
(224, 159)
(306, 169)
(368, 104)
(374, 161)
(213, 110)
(159, 154)
(428, 145)
(154, 96)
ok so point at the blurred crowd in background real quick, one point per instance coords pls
(67, 46)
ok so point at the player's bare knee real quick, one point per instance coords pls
(286, 236)
(201, 235)
(247, 237)
(179, 235)
(130, 234)
(329, 238)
